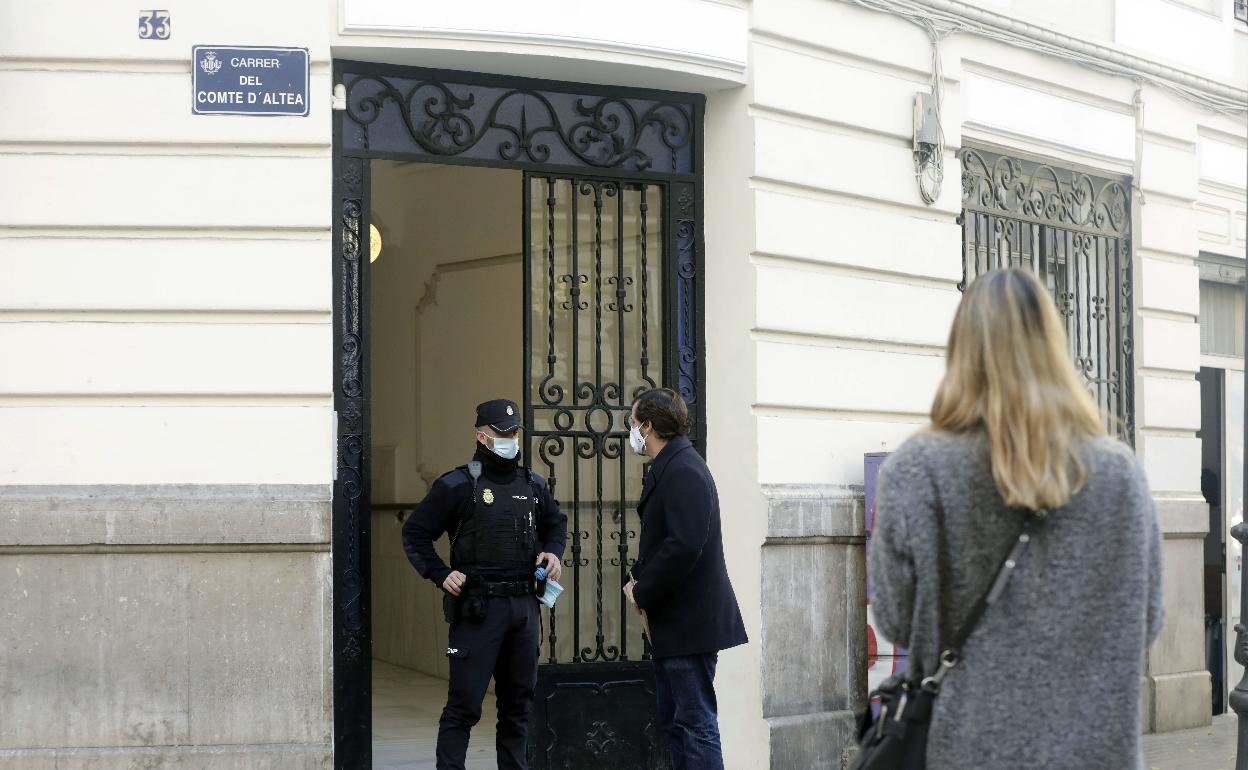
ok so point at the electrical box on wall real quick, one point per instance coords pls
(926, 128)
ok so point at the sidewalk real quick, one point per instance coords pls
(1205, 748)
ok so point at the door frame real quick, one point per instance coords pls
(440, 138)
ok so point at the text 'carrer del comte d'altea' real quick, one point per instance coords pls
(272, 98)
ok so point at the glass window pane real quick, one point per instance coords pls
(1221, 319)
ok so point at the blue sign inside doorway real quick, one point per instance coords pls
(249, 80)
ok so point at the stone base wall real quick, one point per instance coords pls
(814, 623)
(1178, 687)
(253, 757)
(165, 626)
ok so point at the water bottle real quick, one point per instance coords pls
(553, 589)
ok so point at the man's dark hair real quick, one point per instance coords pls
(665, 410)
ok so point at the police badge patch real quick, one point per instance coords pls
(488, 496)
(510, 412)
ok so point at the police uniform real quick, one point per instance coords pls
(499, 517)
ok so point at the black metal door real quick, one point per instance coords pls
(595, 292)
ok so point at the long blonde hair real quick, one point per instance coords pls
(1010, 373)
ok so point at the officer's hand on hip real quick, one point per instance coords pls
(554, 566)
(453, 583)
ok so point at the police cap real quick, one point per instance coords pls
(500, 414)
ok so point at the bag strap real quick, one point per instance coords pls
(952, 654)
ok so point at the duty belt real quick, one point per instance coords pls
(514, 588)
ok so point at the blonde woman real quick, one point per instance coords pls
(1050, 677)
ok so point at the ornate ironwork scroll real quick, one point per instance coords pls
(684, 312)
(1074, 230)
(352, 648)
(526, 122)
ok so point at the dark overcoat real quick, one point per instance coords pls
(682, 580)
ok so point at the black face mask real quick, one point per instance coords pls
(493, 464)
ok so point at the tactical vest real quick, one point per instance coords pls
(499, 528)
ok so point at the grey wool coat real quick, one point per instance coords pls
(1050, 679)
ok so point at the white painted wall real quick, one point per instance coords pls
(720, 41)
(154, 261)
(165, 298)
(996, 104)
(1195, 35)
(1220, 195)
(733, 445)
(673, 44)
(855, 277)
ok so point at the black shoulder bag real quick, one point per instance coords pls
(897, 738)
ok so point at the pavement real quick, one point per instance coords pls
(1204, 748)
(406, 706)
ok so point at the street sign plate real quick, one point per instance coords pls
(249, 80)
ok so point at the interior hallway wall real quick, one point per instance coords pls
(447, 320)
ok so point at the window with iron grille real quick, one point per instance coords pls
(1241, 10)
(1073, 230)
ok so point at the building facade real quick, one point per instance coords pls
(217, 410)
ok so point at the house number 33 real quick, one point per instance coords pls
(154, 25)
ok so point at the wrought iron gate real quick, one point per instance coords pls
(595, 287)
(613, 291)
(1074, 230)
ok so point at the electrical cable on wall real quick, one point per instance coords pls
(929, 158)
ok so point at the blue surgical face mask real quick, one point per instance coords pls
(506, 448)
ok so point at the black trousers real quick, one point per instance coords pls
(503, 645)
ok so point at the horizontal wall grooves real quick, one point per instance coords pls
(783, 410)
(866, 272)
(848, 343)
(189, 400)
(123, 549)
(148, 149)
(189, 316)
(844, 128)
(177, 65)
(817, 540)
(183, 232)
(788, 187)
(881, 66)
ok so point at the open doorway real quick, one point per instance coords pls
(1212, 482)
(539, 241)
(446, 334)
(1222, 441)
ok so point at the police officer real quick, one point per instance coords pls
(503, 523)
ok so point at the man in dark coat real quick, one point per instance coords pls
(680, 581)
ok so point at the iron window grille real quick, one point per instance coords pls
(1073, 229)
(1241, 10)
